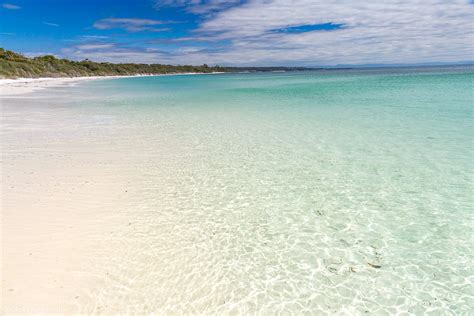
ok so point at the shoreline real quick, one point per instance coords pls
(20, 86)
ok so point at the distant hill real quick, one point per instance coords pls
(14, 65)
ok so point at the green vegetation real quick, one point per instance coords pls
(13, 65)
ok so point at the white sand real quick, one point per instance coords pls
(68, 179)
(12, 87)
(9, 87)
(60, 195)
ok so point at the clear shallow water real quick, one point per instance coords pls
(314, 192)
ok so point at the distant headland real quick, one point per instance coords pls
(15, 65)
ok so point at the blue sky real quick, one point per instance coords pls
(242, 32)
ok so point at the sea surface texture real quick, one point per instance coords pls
(298, 193)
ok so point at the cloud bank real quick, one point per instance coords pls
(309, 32)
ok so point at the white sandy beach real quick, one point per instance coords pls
(56, 189)
(9, 87)
(65, 192)
(12, 87)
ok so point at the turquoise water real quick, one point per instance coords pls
(346, 191)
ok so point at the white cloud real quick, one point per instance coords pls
(131, 25)
(85, 47)
(198, 6)
(10, 6)
(50, 24)
(391, 31)
(93, 36)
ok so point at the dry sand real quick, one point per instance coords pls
(61, 191)
(68, 193)
(11, 87)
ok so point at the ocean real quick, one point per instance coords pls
(316, 192)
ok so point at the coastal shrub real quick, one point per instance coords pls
(14, 65)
